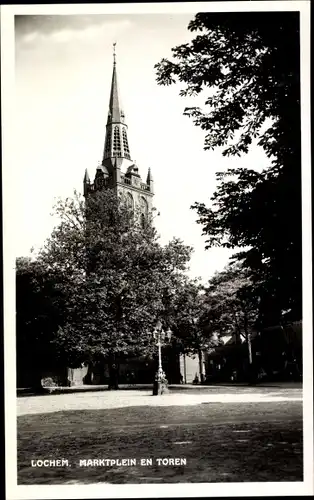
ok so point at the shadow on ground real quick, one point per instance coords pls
(234, 443)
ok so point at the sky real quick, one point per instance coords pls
(63, 68)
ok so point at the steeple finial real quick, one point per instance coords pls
(114, 52)
(114, 103)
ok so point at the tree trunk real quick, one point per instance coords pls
(184, 362)
(251, 374)
(88, 379)
(113, 373)
(249, 345)
(201, 366)
(248, 339)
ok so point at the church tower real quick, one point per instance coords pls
(117, 170)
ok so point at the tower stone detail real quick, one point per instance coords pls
(117, 170)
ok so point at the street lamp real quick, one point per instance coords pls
(160, 383)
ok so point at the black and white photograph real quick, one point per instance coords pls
(157, 249)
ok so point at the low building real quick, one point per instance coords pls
(276, 354)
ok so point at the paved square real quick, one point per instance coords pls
(134, 437)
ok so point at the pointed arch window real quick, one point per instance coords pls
(144, 205)
(100, 182)
(143, 211)
(108, 143)
(143, 221)
(116, 142)
(129, 201)
(125, 144)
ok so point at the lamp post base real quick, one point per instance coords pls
(160, 384)
(160, 388)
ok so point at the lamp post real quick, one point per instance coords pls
(160, 382)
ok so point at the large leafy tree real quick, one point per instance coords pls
(118, 279)
(248, 65)
(39, 314)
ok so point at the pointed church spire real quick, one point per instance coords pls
(86, 176)
(117, 171)
(150, 181)
(149, 176)
(115, 113)
(116, 141)
(86, 183)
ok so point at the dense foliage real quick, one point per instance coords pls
(248, 66)
(40, 310)
(117, 278)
